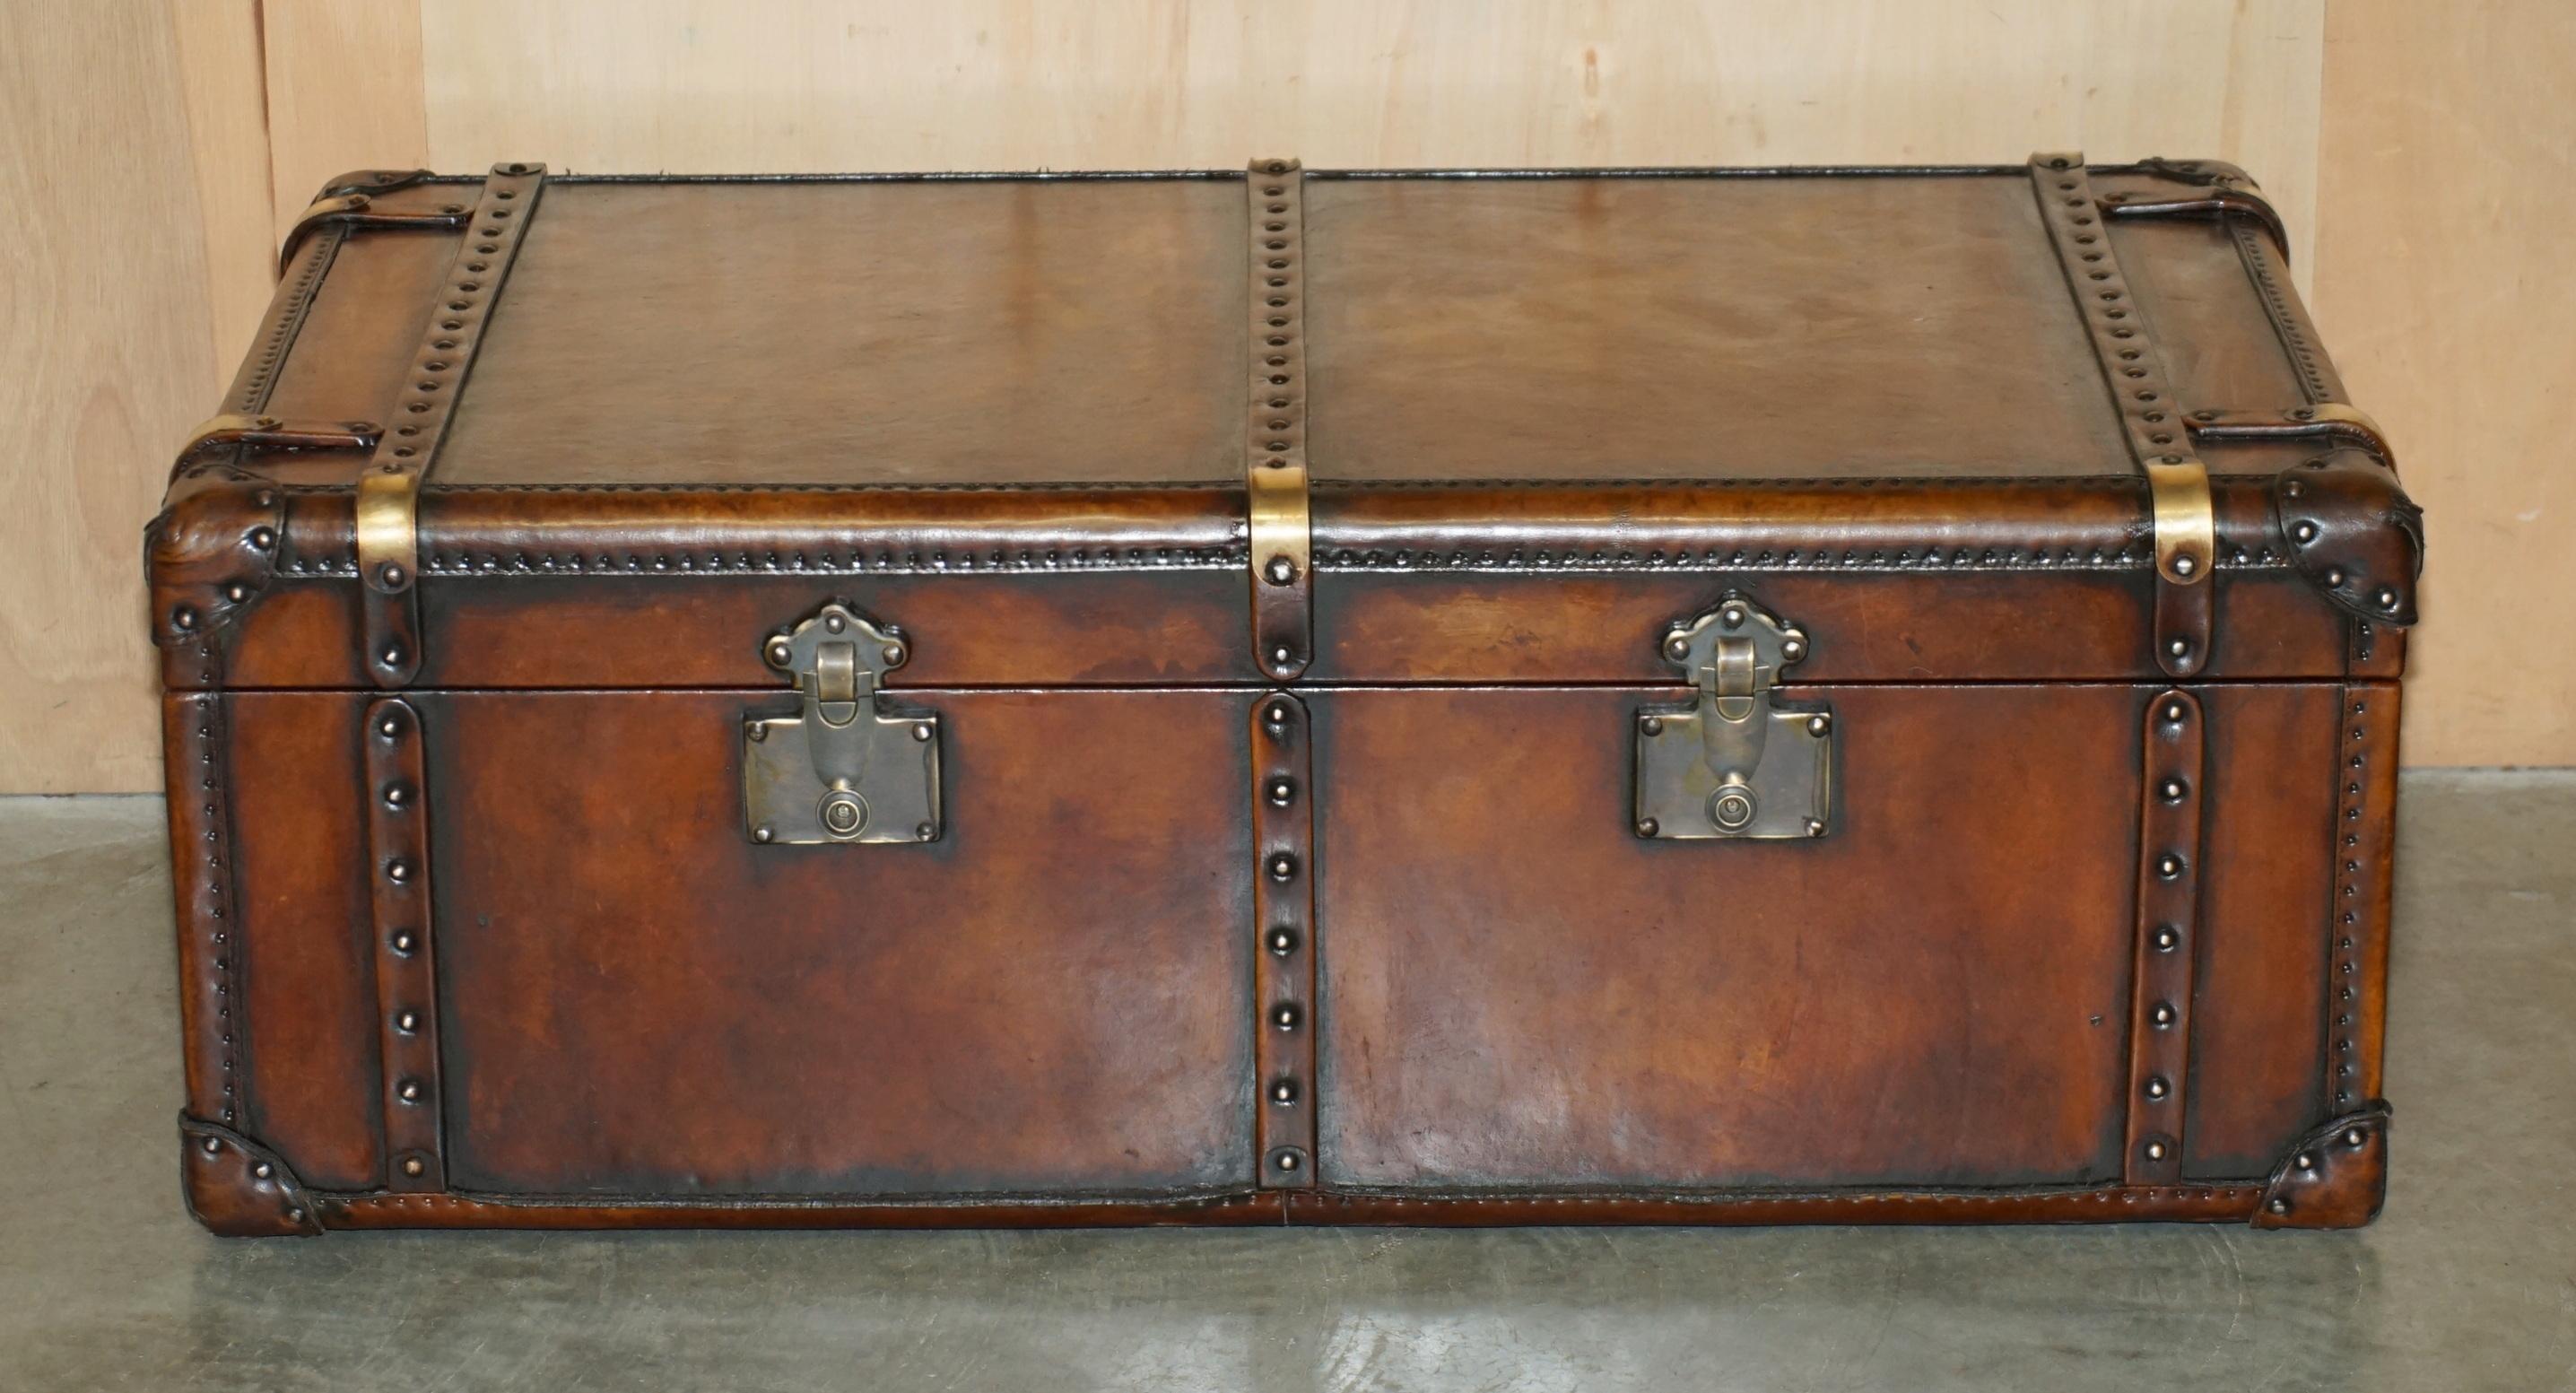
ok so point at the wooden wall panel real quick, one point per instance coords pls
(2443, 286)
(108, 308)
(708, 85)
(156, 148)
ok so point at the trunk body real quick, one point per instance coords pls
(1734, 696)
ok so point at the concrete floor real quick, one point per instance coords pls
(2468, 1282)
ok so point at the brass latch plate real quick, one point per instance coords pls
(1738, 761)
(849, 766)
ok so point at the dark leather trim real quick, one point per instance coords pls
(2354, 533)
(2190, 1203)
(211, 553)
(2335, 1178)
(238, 1188)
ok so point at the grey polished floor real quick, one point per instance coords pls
(2468, 1282)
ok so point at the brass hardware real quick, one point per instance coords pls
(1737, 762)
(848, 767)
(1278, 521)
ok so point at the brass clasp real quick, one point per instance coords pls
(1737, 762)
(848, 767)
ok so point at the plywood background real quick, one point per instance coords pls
(155, 148)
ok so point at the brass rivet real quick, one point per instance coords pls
(2184, 565)
(262, 538)
(1276, 713)
(1647, 827)
(398, 871)
(212, 1146)
(2168, 867)
(1283, 1092)
(236, 592)
(392, 576)
(1815, 827)
(2168, 938)
(1282, 792)
(263, 1170)
(390, 726)
(1281, 655)
(2387, 597)
(835, 623)
(764, 833)
(2304, 532)
(413, 1166)
(1280, 571)
(2172, 790)
(1652, 725)
(409, 1090)
(1283, 867)
(921, 730)
(407, 1021)
(1287, 1159)
(397, 794)
(2353, 1137)
(2175, 711)
(2304, 1161)
(2179, 647)
(1285, 1016)
(893, 654)
(2155, 1151)
(183, 618)
(2163, 1014)
(2157, 1088)
(1792, 649)
(392, 656)
(756, 732)
(1820, 725)
(925, 831)
(1281, 942)
(403, 942)
(780, 652)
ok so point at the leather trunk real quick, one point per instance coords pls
(1459, 697)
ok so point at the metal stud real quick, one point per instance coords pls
(893, 654)
(236, 592)
(2185, 565)
(2180, 648)
(392, 655)
(1283, 867)
(2174, 712)
(392, 576)
(1820, 725)
(1286, 1015)
(390, 726)
(1280, 571)
(2163, 1014)
(1281, 942)
(1677, 648)
(2279, 1206)
(925, 831)
(1647, 827)
(2353, 1137)
(2304, 533)
(1652, 725)
(403, 942)
(2387, 597)
(2304, 1161)
(2167, 938)
(1281, 655)
(398, 871)
(1815, 827)
(764, 833)
(408, 1022)
(212, 1146)
(1287, 1160)
(2168, 867)
(184, 618)
(1282, 792)
(2156, 1150)
(262, 538)
(1284, 1092)
(263, 1170)
(415, 1167)
(409, 1090)
(1792, 649)
(779, 652)
(2157, 1088)
(2172, 790)
(921, 731)
(397, 795)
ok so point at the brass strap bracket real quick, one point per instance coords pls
(2212, 190)
(2330, 421)
(389, 492)
(1274, 438)
(236, 430)
(2181, 513)
(354, 209)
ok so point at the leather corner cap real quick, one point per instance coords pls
(2335, 1178)
(2353, 532)
(238, 1188)
(211, 552)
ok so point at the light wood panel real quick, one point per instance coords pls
(111, 355)
(155, 149)
(2443, 286)
(710, 85)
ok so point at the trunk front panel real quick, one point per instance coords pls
(638, 999)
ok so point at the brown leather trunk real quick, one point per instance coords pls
(1727, 696)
